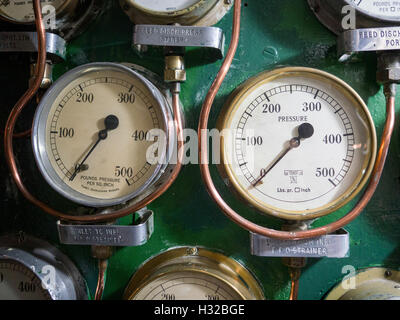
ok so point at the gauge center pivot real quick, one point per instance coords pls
(305, 131)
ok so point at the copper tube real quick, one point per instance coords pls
(101, 279)
(294, 289)
(237, 218)
(23, 134)
(9, 153)
(295, 274)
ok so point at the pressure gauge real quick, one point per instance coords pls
(334, 15)
(103, 134)
(297, 143)
(22, 11)
(191, 273)
(368, 284)
(184, 12)
(67, 18)
(31, 269)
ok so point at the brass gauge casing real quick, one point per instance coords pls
(185, 12)
(192, 273)
(317, 175)
(368, 284)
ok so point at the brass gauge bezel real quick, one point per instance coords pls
(372, 283)
(237, 98)
(196, 260)
(66, 9)
(202, 13)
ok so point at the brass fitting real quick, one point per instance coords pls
(174, 69)
(102, 252)
(47, 78)
(294, 263)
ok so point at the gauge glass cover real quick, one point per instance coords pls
(72, 155)
(314, 178)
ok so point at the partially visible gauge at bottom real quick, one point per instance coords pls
(368, 284)
(31, 269)
(191, 273)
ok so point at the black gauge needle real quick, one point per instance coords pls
(305, 131)
(111, 122)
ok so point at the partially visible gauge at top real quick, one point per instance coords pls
(68, 18)
(184, 12)
(99, 132)
(383, 9)
(22, 11)
(377, 13)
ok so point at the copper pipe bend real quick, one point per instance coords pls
(9, 152)
(237, 218)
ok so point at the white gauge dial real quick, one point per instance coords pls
(165, 5)
(187, 286)
(388, 9)
(22, 11)
(17, 282)
(300, 144)
(99, 140)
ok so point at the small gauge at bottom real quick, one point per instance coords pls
(368, 284)
(297, 143)
(32, 269)
(193, 274)
(19, 282)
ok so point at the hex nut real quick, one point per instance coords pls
(388, 75)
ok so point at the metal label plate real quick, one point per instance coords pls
(28, 42)
(180, 36)
(331, 246)
(108, 235)
(371, 39)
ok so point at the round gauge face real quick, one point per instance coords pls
(96, 135)
(17, 282)
(22, 11)
(165, 6)
(383, 9)
(299, 143)
(187, 285)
